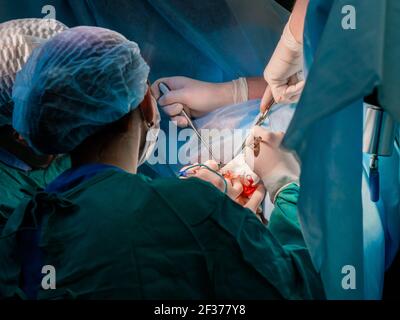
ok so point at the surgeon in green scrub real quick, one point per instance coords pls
(22, 171)
(110, 233)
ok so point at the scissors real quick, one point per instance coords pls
(261, 117)
(164, 89)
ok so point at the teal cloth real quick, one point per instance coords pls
(344, 66)
(15, 184)
(123, 236)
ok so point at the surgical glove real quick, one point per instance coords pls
(197, 98)
(276, 167)
(284, 71)
(234, 187)
(208, 172)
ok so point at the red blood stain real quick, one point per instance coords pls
(249, 187)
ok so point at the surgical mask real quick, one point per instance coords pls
(151, 136)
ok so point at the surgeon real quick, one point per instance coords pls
(22, 171)
(283, 79)
(111, 233)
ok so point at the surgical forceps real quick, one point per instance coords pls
(261, 117)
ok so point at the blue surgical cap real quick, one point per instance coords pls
(18, 38)
(74, 85)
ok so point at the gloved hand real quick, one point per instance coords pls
(197, 97)
(234, 186)
(284, 72)
(266, 100)
(276, 167)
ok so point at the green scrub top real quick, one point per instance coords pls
(123, 236)
(16, 184)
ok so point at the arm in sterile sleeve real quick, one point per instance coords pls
(284, 222)
(272, 262)
(244, 258)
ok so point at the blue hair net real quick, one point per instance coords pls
(18, 38)
(74, 85)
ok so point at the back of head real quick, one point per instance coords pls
(76, 84)
(18, 38)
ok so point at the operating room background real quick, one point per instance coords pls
(222, 35)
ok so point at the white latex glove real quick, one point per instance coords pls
(284, 72)
(238, 167)
(276, 167)
(198, 97)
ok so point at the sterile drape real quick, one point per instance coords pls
(344, 66)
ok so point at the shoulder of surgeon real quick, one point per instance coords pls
(195, 198)
(190, 195)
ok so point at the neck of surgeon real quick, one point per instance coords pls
(118, 145)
